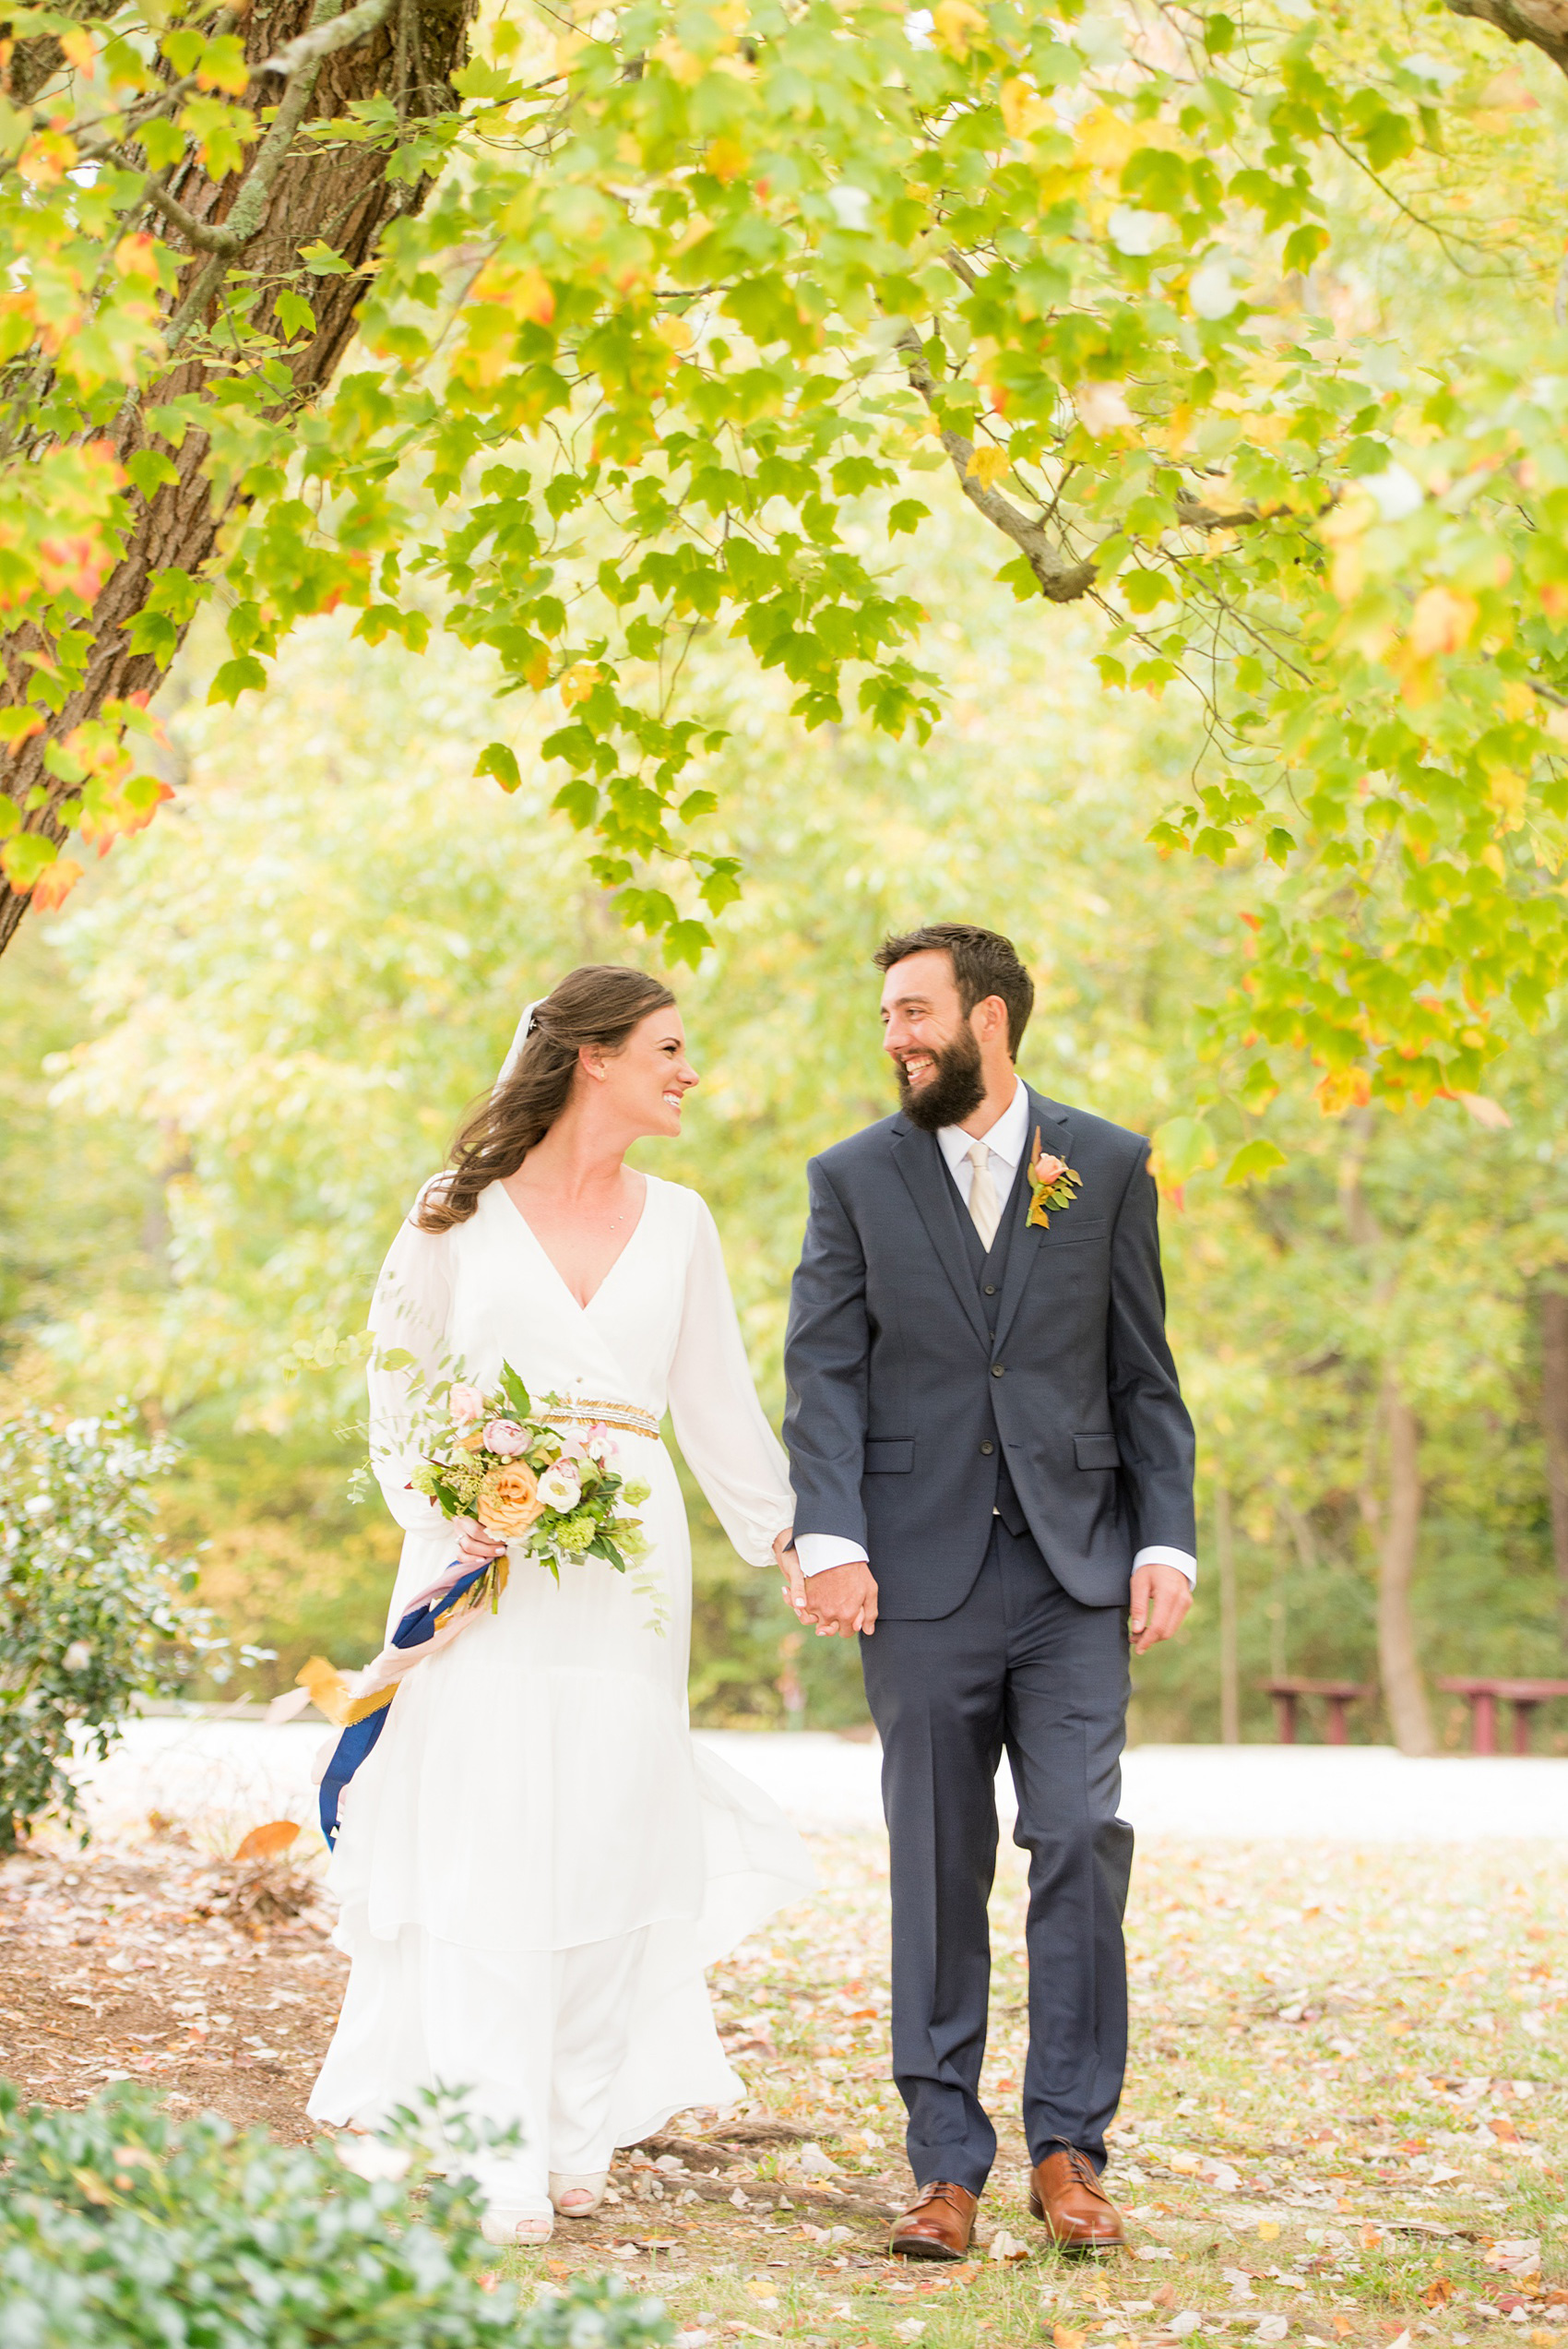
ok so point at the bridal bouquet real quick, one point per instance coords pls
(496, 1458)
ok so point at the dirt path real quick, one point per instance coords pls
(1346, 2116)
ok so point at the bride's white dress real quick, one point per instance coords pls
(536, 1862)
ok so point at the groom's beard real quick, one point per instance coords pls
(954, 1091)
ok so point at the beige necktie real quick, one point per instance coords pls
(984, 1212)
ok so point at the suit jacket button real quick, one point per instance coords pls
(998, 1369)
(990, 1288)
(988, 1448)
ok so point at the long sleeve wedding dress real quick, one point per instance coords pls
(536, 1862)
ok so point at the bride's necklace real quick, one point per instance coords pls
(622, 1217)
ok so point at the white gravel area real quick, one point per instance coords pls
(225, 1776)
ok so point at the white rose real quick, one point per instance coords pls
(560, 1487)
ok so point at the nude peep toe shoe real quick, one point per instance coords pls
(578, 2194)
(507, 2223)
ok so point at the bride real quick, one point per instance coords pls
(536, 1864)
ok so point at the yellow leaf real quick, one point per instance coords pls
(1343, 1088)
(1441, 622)
(1104, 139)
(953, 22)
(674, 332)
(988, 464)
(1268, 2230)
(1023, 109)
(579, 681)
(726, 158)
(1485, 1111)
(683, 64)
(1507, 794)
(80, 47)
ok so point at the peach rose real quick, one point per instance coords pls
(463, 1402)
(508, 1500)
(1049, 1170)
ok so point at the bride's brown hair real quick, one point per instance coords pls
(598, 1004)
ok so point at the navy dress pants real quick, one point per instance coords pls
(1023, 1669)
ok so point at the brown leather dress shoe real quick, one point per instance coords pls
(1065, 2193)
(937, 2223)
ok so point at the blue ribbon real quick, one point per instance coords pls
(418, 1626)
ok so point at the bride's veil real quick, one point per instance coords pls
(514, 1050)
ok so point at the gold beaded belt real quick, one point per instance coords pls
(585, 1412)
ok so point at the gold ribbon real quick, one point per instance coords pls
(631, 1418)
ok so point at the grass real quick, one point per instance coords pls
(1344, 2121)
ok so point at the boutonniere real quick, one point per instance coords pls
(1052, 1183)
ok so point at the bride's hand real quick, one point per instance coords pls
(475, 1546)
(795, 1581)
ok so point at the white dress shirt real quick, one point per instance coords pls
(1008, 1142)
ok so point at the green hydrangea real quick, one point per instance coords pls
(636, 1492)
(575, 1533)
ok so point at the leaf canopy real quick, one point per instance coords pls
(703, 286)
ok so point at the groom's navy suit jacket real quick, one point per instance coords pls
(919, 1403)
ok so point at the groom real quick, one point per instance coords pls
(993, 1478)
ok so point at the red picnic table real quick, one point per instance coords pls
(1485, 1695)
(1336, 1693)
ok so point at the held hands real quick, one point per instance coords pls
(838, 1604)
(1161, 1595)
(842, 1601)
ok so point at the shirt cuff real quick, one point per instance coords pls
(817, 1552)
(1159, 1554)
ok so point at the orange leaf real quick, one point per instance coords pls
(54, 884)
(266, 1843)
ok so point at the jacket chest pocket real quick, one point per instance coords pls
(1066, 1232)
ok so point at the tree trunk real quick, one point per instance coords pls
(1396, 1530)
(1404, 1694)
(341, 195)
(1554, 1429)
(1230, 1675)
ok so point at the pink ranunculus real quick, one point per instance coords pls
(465, 1402)
(505, 1438)
(600, 1444)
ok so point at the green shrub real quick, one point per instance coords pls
(90, 1615)
(120, 2229)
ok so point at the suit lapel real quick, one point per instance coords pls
(1056, 1135)
(918, 1157)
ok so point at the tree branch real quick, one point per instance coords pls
(195, 233)
(324, 39)
(247, 215)
(1060, 577)
(1544, 23)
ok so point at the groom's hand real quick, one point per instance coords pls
(842, 1601)
(1161, 1595)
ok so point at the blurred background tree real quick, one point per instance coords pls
(235, 1056)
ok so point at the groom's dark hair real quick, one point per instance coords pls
(984, 964)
